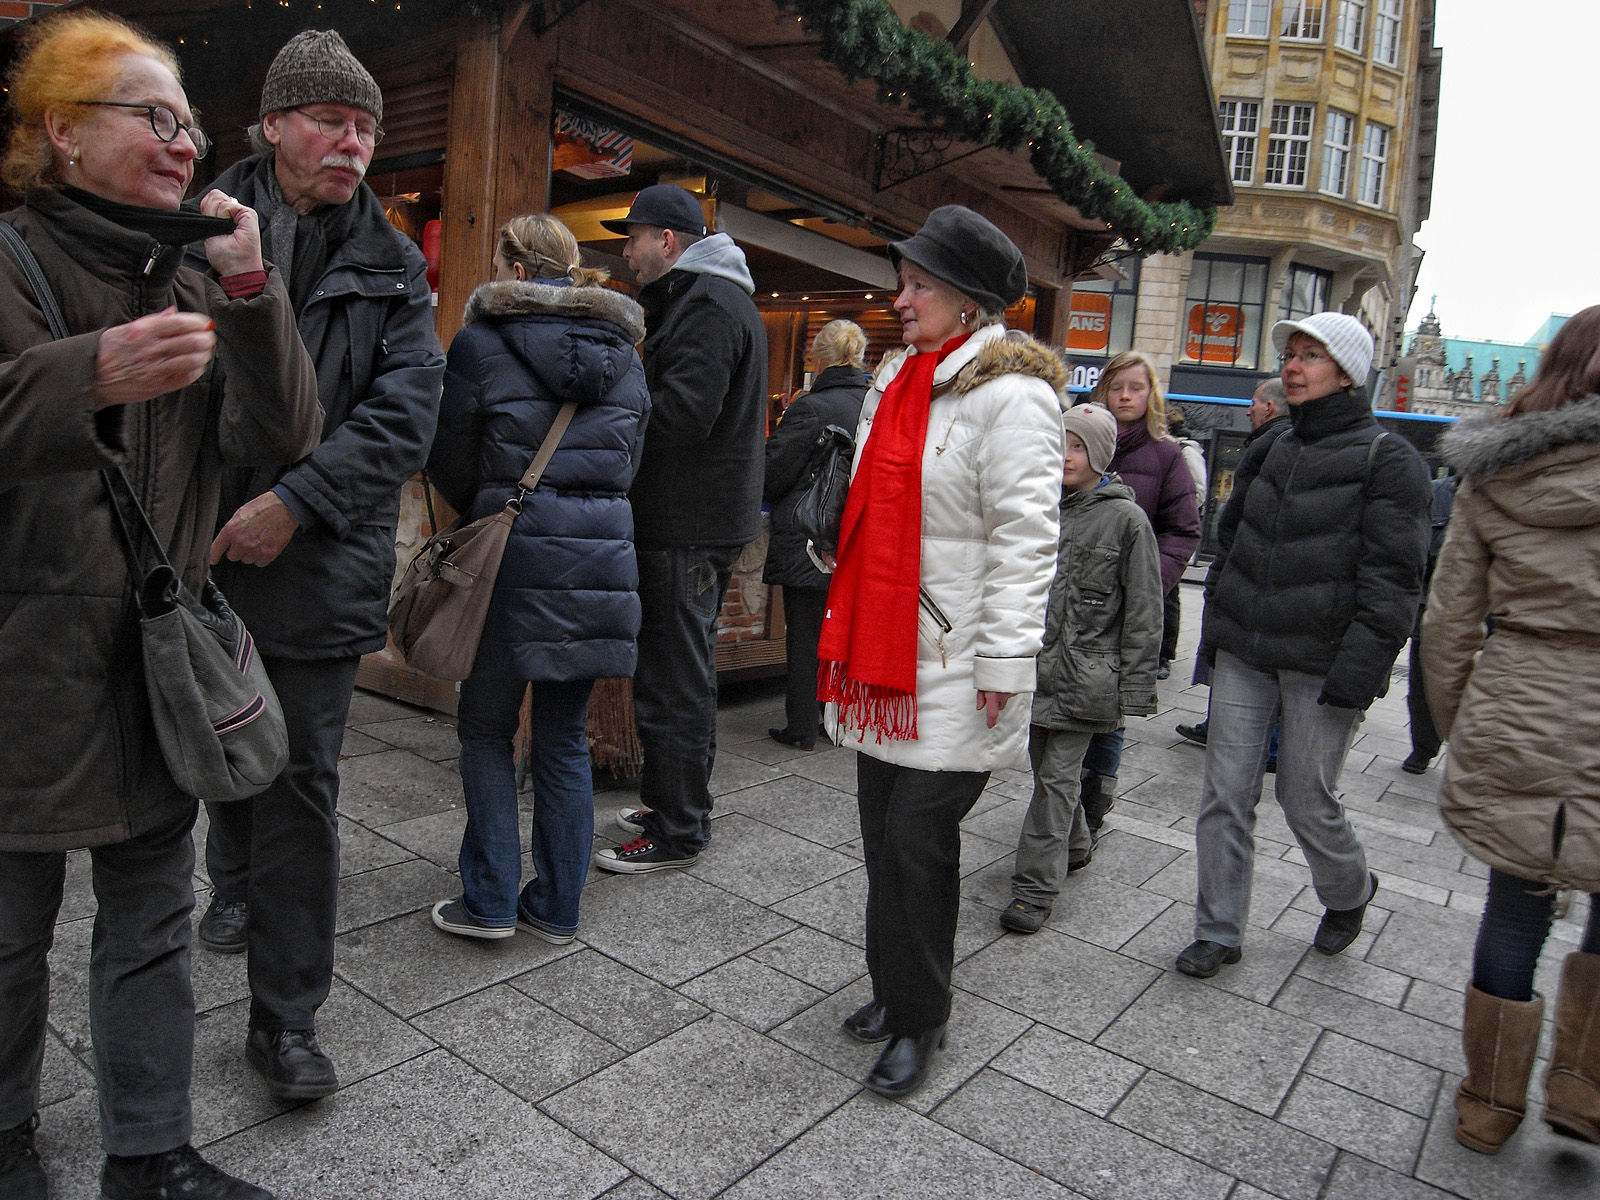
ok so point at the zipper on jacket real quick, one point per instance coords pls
(937, 613)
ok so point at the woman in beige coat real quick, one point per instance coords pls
(1517, 703)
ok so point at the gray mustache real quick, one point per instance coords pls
(348, 161)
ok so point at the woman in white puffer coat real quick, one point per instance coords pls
(936, 611)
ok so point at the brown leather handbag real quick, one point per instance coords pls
(438, 610)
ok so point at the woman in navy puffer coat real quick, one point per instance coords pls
(565, 610)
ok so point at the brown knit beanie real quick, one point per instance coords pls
(316, 67)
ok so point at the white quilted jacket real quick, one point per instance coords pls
(991, 494)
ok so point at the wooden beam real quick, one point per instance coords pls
(469, 172)
(513, 22)
(973, 14)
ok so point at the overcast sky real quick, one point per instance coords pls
(1513, 235)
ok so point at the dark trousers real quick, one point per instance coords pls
(675, 689)
(279, 852)
(911, 837)
(1171, 616)
(1424, 735)
(802, 611)
(1516, 921)
(141, 1006)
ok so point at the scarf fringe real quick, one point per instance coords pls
(886, 711)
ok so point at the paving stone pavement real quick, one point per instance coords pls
(687, 1044)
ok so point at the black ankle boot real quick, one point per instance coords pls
(904, 1063)
(868, 1023)
(180, 1172)
(21, 1172)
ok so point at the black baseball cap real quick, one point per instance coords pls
(666, 206)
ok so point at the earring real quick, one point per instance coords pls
(965, 317)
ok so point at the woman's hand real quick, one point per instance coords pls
(991, 703)
(152, 356)
(240, 251)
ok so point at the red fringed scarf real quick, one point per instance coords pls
(867, 654)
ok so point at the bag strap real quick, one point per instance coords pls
(36, 280)
(541, 460)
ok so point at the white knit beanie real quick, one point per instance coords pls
(1346, 338)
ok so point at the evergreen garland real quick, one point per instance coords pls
(864, 39)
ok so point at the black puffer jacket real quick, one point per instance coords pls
(368, 326)
(834, 399)
(566, 602)
(705, 356)
(1323, 544)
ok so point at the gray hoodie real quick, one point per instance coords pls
(720, 256)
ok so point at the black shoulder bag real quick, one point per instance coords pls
(820, 510)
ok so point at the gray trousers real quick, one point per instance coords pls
(1054, 831)
(141, 1005)
(1313, 742)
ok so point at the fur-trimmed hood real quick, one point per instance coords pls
(1014, 354)
(1539, 467)
(530, 297)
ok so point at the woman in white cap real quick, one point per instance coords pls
(1312, 594)
(936, 609)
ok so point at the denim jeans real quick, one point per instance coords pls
(1516, 921)
(141, 1005)
(563, 797)
(675, 689)
(1104, 755)
(1314, 740)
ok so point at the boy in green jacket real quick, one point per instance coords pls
(1098, 664)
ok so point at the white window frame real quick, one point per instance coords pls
(1289, 145)
(1249, 18)
(1375, 141)
(1336, 152)
(1350, 25)
(1386, 22)
(1240, 121)
(1302, 20)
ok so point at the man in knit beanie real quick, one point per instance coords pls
(307, 556)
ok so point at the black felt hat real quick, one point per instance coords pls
(969, 253)
(666, 206)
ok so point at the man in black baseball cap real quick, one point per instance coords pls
(696, 503)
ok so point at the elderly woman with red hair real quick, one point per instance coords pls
(167, 377)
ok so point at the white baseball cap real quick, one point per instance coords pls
(1346, 338)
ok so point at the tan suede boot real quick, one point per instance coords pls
(1500, 1038)
(1572, 1085)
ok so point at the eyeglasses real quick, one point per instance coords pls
(164, 123)
(333, 128)
(1309, 359)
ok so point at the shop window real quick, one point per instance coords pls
(1241, 126)
(1374, 163)
(1336, 152)
(1350, 25)
(1386, 32)
(1304, 292)
(1103, 310)
(1248, 18)
(1289, 145)
(1222, 321)
(1302, 20)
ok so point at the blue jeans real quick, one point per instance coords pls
(1516, 921)
(563, 798)
(675, 689)
(1104, 756)
(1245, 704)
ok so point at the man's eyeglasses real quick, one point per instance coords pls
(164, 123)
(333, 128)
(1310, 359)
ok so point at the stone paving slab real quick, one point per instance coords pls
(687, 1044)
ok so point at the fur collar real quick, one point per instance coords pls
(1482, 446)
(1014, 354)
(528, 297)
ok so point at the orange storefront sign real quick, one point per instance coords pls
(1089, 323)
(1214, 333)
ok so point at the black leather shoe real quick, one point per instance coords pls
(784, 738)
(904, 1063)
(1195, 733)
(1205, 959)
(1341, 926)
(21, 1172)
(224, 929)
(1416, 763)
(292, 1063)
(180, 1172)
(866, 1024)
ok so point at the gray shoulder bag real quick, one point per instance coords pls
(217, 719)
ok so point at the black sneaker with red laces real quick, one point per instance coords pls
(641, 855)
